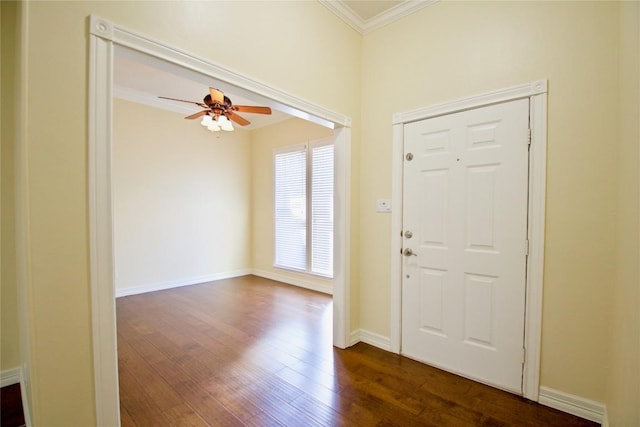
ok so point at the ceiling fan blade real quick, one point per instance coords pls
(216, 95)
(238, 119)
(198, 114)
(199, 104)
(252, 109)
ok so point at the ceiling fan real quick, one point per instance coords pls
(219, 110)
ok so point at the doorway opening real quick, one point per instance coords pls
(104, 36)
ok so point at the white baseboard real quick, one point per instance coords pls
(605, 418)
(371, 338)
(10, 377)
(324, 288)
(354, 337)
(123, 292)
(575, 405)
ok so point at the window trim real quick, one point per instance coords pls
(307, 146)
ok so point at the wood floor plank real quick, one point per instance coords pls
(142, 409)
(125, 418)
(254, 352)
(11, 409)
(229, 394)
(323, 414)
(263, 420)
(422, 401)
(184, 415)
(206, 406)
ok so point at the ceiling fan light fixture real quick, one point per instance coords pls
(213, 126)
(225, 124)
(206, 120)
(218, 111)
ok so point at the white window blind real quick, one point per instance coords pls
(322, 210)
(291, 209)
(303, 188)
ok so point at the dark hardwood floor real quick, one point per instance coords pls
(11, 412)
(253, 352)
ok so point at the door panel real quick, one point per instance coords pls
(465, 203)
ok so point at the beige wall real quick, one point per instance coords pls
(623, 385)
(452, 50)
(446, 51)
(286, 44)
(180, 190)
(9, 347)
(181, 199)
(263, 141)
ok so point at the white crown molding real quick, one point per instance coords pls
(345, 13)
(363, 26)
(400, 11)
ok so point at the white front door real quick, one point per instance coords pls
(465, 242)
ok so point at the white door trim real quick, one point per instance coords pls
(537, 93)
(104, 36)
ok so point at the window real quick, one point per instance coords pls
(303, 187)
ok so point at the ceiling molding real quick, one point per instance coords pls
(345, 13)
(363, 26)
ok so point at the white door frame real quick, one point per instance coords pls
(104, 36)
(536, 92)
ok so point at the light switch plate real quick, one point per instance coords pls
(383, 205)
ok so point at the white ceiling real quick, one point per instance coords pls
(142, 79)
(368, 9)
